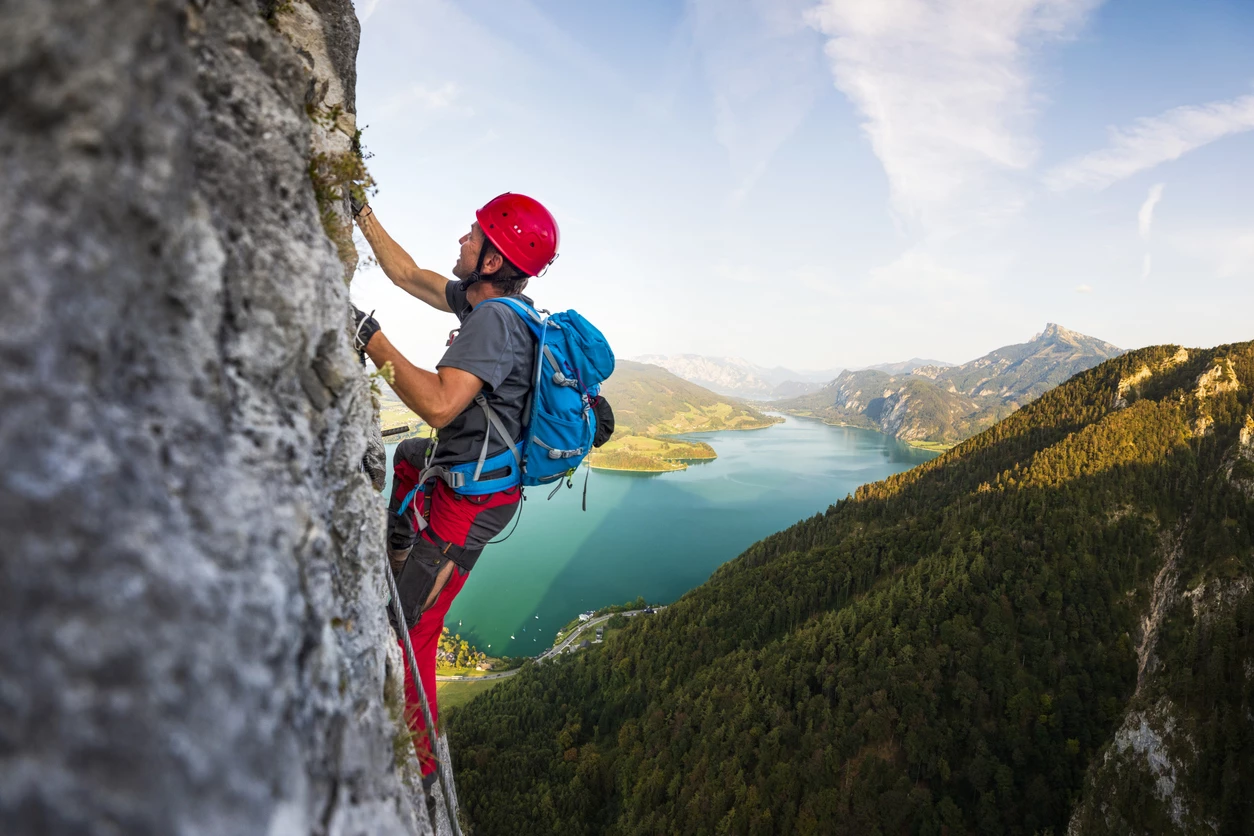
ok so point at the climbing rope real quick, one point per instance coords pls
(445, 776)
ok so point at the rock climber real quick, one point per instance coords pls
(438, 521)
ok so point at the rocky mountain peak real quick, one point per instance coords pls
(1056, 333)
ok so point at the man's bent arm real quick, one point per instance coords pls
(398, 266)
(438, 398)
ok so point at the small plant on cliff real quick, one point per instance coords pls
(334, 178)
(386, 373)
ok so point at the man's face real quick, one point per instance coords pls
(471, 243)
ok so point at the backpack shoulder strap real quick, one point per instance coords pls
(493, 423)
(529, 314)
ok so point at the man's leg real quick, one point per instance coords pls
(425, 638)
(431, 580)
(407, 464)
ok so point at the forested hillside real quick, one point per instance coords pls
(649, 400)
(1050, 626)
(651, 404)
(950, 403)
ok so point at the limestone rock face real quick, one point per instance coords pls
(191, 593)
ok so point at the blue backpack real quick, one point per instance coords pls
(559, 421)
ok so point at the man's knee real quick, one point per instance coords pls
(422, 578)
(413, 451)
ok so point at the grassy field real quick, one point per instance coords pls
(934, 446)
(655, 455)
(449, 670)
(453, 694)
(719, 416)
(394, 413)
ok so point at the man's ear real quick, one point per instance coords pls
(492, 262)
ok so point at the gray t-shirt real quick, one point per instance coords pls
(496, 346)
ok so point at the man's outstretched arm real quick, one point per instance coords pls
(398, 266)
(437, 397)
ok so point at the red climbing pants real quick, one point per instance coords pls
(425, 637)
(458, 528)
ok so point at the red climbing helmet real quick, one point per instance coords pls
(521, 229)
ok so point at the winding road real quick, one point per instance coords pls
(548, 654)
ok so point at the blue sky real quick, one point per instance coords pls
(823, 183)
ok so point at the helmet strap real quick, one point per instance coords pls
(475, 275)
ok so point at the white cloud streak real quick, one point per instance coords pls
(1226, 252)
(365, 8)
(1146, 265)
(1145, 216)
(945, 93)
(764, 68)
(446, 98)
(1154, 140)
(1238, 258)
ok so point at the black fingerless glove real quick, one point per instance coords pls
(356, 205)
(365, 326)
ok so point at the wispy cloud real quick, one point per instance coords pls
(1146, 265)
(1145, 217)
(365, 8)
(918, 271)
(1238, 257)
(764, 67)
(945, 92)
(1227, 252)
(1083, 288)
(1154, 140)
(446, 97)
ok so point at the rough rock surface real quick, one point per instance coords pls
(1152, 776)
(191, 605)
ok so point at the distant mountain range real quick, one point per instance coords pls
(737, 376)
(939, 403)
(906, 366)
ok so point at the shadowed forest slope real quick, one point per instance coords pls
(975, 645)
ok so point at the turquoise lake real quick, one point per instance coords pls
(660, 535)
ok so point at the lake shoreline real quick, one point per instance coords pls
(929, 446)
(607, 469)
(660, 536)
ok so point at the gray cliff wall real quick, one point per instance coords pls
(192, 635)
